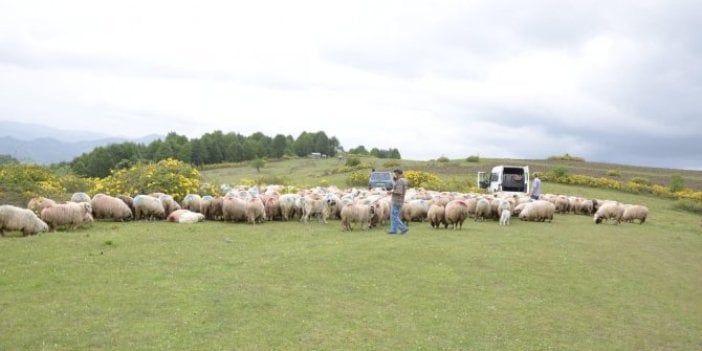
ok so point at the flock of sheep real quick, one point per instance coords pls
(363, 208)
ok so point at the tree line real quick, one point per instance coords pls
(212, 148)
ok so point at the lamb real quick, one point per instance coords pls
(80, 197)
(607, 211)
(505, 216)
(357, 213)
(539, 210)
(633, 212)
(37, 204)
(108, 207)
(148, 207)
(456, 213)
(192, 202)
(72, 214)
(505, 210)
(437, 216)
(16, 218)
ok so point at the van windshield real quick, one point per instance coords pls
(381, 176)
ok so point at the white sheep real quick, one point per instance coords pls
(633, 212)
(437, 215)
(607, 211)
(80, 197)
(255, 210)
(456, 213)
(482, 210)
(108, 207)
(37, 204)
(357, 213)
(234, 209)
(539, 210)
(148, 207)
(16, 218)
(192, 202)
(72, 214)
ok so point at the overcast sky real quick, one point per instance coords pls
(610, 81)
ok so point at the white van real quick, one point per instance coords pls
(505, 178)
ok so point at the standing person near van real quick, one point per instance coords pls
(536, 187)
(398, 199)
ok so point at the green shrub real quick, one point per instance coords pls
(677, 183)
(473, 158)
(443, 159)
(560, 171)
(689, 206)
(613, 173)
(352, 162)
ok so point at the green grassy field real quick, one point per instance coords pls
(307, 172)
(567, 285)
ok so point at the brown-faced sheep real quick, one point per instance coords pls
(71, 214)
(108, 207)
(633, 212)
(16, 218)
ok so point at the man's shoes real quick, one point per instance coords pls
(391, 233)
(404, 231)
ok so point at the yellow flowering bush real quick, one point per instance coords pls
(420, 179)
(169, 176)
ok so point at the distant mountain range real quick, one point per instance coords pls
(43, 145)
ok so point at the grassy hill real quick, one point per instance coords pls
(565, 285)
(314, 172)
